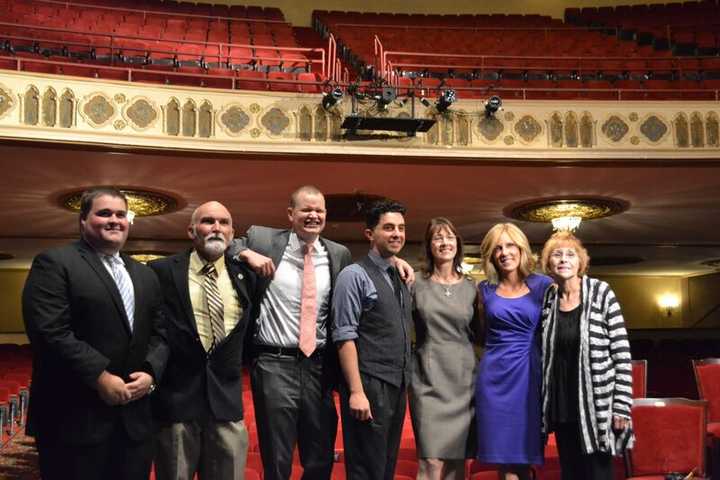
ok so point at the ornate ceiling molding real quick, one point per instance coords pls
(157, 116)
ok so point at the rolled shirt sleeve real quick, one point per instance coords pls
(353, 294)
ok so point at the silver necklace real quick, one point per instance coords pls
(446, 287)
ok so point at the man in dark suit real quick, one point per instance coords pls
(294, 371)
(199, 402)
(93, 318)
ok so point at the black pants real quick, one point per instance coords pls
(371, 448)
(293, 406)
(576, 464)
(117, 458)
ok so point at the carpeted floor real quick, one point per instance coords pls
(18, 459)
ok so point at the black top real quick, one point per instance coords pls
(564, 384)
(383, 343)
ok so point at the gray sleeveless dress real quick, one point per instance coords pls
(442, 383)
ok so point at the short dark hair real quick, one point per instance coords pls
(89, 196)
(379, 208)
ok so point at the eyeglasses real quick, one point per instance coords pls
(443, 238)
(560, 253)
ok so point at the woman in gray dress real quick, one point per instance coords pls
(441, 388)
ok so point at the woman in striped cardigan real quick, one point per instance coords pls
(587, 374)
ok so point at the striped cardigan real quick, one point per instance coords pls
(605, 384)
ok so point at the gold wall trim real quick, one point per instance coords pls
(153, 116)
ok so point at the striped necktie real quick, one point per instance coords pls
(124, 286)
(214, 302)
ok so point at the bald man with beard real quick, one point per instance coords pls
(207, 302)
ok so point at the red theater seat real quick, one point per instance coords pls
(670, 437)
(281, 86)
(251, 80)
(309, 87)
(707, 377)
(639, 378)
(254, 461)
(251, 474)
(408, 468)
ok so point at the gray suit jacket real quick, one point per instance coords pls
(271, 242)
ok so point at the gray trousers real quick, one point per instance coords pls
(292, 406)
(215, 450)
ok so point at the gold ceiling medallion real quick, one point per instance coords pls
(566, 213)
(712, 263)
(147, 256)
(142, 203)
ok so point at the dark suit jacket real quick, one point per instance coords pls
(197, 385)
(271, 242)
(78, 327)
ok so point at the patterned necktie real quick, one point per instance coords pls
(214, 302)
(308, 305)
(124, 286)
(397, 285)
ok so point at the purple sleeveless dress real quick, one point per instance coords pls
(507, 390)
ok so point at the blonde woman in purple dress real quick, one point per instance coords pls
(507, 388)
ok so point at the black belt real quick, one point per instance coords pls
(293, 352)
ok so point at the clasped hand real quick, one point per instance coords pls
(113, 390)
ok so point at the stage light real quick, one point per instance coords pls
(386, 97)
(492, 105)
(447, 98)
(331, 98)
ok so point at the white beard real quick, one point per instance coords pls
(214, 247)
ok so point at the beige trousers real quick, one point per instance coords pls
(215, 450)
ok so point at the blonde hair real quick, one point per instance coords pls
(491, 241)
(565, 239)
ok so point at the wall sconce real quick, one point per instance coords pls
(668, 302)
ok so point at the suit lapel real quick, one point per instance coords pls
(279, 243)
(180, 277)
(93, 259)
(334, 263)
(239, 282)
(277, 248)
(237, 278)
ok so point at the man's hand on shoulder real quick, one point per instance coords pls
(407, 274)
(112, 389)
(260, 264)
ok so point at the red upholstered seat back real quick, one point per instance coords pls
(707, 375)
(639, 378)
(670, 436)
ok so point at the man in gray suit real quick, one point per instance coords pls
(294, 366)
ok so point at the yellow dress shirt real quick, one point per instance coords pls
(232, 309)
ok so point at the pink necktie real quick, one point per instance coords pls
(308, 305)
